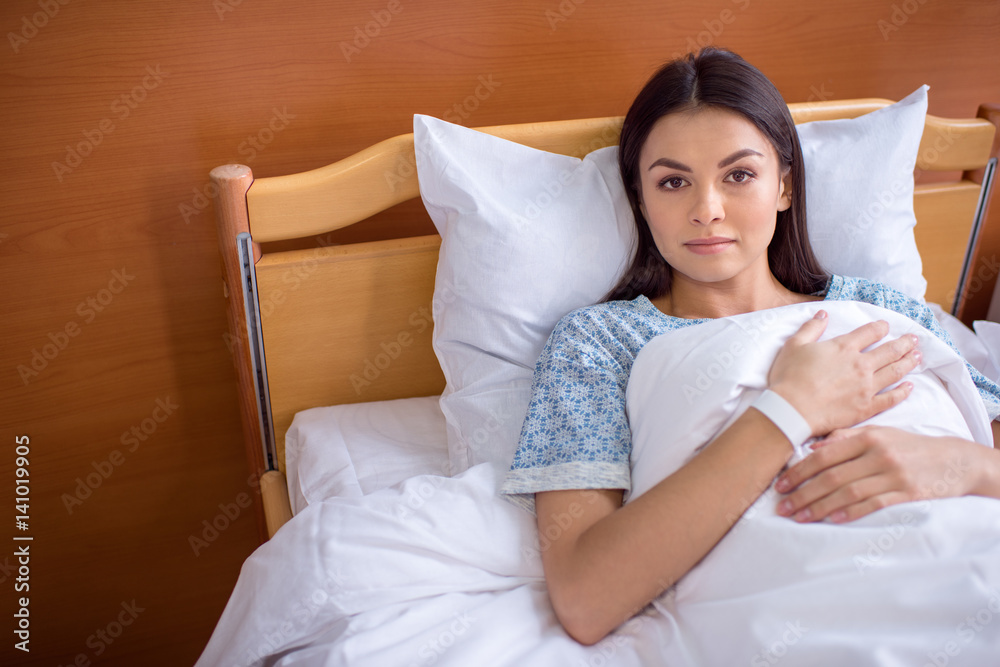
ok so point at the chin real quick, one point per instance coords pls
(709, 277)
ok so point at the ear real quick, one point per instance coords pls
(785, 190)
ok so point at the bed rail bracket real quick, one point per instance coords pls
(244, 244)
(989, 172)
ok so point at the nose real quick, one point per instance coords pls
(707, 206)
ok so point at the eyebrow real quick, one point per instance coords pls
(673, 164)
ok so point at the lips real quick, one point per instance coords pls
(710, 245)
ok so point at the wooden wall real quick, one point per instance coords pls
(111, 338)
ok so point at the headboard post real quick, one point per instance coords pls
(232, 182)
(977, 293)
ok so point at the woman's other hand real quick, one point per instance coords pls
(835, 383)
(856, 471)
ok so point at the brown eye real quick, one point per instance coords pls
(672, 183)
(740, 176)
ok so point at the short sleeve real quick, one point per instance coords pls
(878, 294)
(575, 433)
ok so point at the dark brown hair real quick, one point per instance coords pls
(719, 79)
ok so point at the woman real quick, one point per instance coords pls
(711, 162)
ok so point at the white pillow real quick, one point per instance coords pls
(527, 236)
(859, 193)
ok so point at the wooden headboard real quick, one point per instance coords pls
(351, 323)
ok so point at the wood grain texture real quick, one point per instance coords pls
(942, 246)
(138, 202)
(277, 508)
(363, 349)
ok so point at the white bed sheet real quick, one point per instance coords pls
(352, 450)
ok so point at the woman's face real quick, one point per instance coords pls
(711, 188)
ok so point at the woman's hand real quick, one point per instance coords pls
(834, 383)
(856, 471)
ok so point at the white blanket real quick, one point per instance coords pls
(894, 588)
(440, 571)
(436, 571)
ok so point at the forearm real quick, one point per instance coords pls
(988, 468)
(624, 560)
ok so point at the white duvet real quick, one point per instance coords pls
(439, 571)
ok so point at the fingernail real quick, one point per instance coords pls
(804, 515)
(782, 485)
(916, 355)
(820, 315)
(913, 338)
(785, 507)
(838, 516)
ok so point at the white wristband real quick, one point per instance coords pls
(788, 420)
